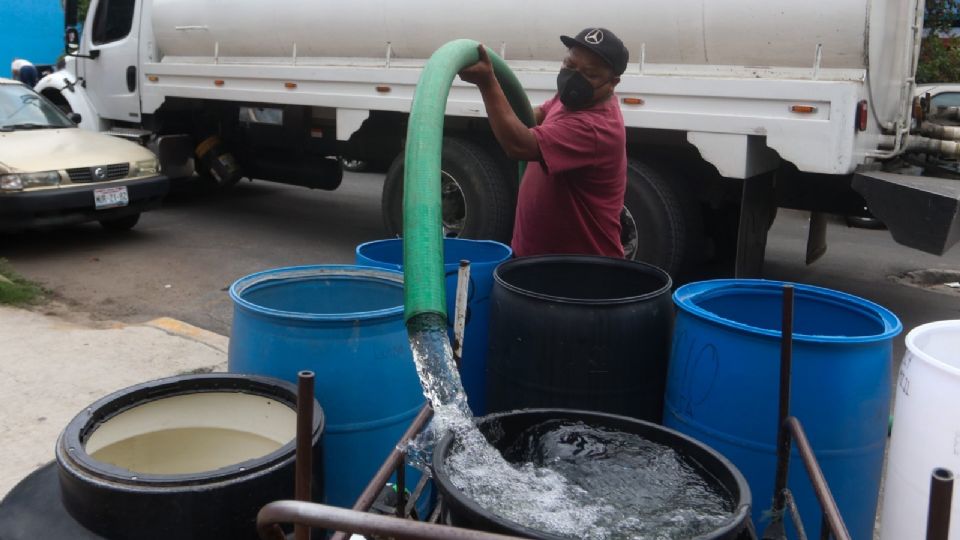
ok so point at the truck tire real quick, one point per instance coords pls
(478, 196)
(661, 220)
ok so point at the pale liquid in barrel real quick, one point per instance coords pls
(185, 450)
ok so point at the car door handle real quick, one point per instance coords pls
(132, 78)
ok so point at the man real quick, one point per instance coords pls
(572, 192)
(24, 71)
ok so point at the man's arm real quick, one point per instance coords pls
(517, 141)
(538, 114)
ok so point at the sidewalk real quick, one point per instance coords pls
(50, 369)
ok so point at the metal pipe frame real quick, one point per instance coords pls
(941, 497)
(460, 309)
(411, 507)
(304, 458)
(333, 518)
(831, 514)
(775, 530)
(394, 461)
(401, 485)
(786, 364)
(789, 431)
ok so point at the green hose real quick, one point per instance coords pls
(422, 214)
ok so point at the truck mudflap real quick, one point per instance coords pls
(921, 212)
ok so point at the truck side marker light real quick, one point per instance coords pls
(632, 101)
(290, 85)
(803, 109)
(218, 82)
(862, 115)
(153, 78)
(383, 89)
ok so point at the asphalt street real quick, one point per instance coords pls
(180, 260)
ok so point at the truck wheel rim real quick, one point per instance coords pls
(629, 235)
(454, 206)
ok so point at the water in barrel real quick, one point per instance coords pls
(566, 478)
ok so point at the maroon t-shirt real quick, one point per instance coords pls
(570, 201)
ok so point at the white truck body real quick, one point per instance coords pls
(751, 84)
(727, 73)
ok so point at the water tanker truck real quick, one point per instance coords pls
(732, 108)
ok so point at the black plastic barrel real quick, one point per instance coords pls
(579, 332)
(503, 429)
(117, 502)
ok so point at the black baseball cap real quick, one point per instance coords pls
(604, 43)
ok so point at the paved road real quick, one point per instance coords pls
(863, 262)
(180, 260)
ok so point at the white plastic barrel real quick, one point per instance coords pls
(926, 430)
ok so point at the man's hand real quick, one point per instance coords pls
(538, 114)
(517, 141)
(481, 73)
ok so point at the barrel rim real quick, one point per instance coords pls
(505, 250)
(914, 349)
(591, 259)
(72, 458)
(684, 298)
(244, 284)
(738, 516)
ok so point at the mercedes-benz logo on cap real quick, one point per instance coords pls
(594, 37)
(100, 173)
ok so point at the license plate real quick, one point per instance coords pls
(111, 197)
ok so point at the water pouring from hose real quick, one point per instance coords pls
(424, 293)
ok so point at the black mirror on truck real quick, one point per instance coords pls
(74, 117)
(72, 39)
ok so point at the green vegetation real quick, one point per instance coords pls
(16, 290)
(939, 51)
(82, 7)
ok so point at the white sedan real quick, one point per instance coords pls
(53, 173)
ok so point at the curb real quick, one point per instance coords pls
(182, 329)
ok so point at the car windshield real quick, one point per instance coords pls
(945, 99)
(22, 108)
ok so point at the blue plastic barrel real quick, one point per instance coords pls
(484, 256)
(722, 388)
(345, 323)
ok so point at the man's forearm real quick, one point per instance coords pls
(517, 141)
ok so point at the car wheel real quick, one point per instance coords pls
(660, 221)
(477, 196)
(124, 223)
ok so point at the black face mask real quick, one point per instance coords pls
(574, 89)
